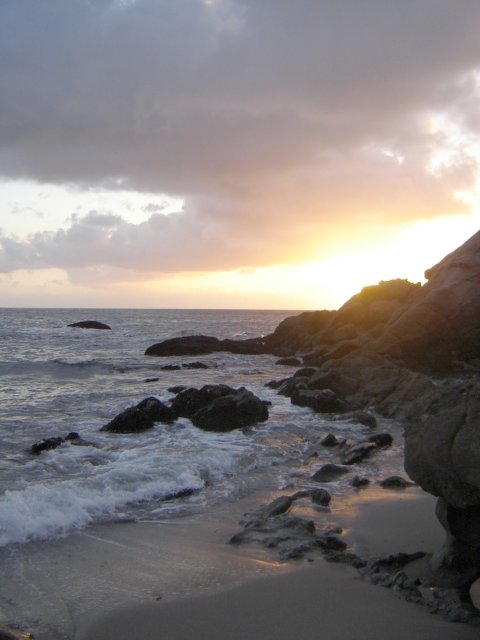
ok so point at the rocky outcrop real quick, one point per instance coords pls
(140, 417)
(203, 345)
(440, 331)
(413, 353)
(406, 351)
(90, 324)
(220, 407)
(211, 408)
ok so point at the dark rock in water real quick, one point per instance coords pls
(330, 441)
(318, 496)
(331, 541)
(289, 362)
(177, 388)
(232, 411)
(324, 401)
(191, 400)
(381, 439)
(185, 346)
(181, 493)
(279, 506)
(90, 324)
(395, 482)
(321, 497)
(141, 417)
(329, 472)
(358, 452)
(220, 407)
(203, 345)
(306, 372)
(151, 379)
(171, 367)
(195, 365)
(362, 417)
(359, 481)
(46, 445)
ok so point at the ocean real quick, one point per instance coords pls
(55, 379)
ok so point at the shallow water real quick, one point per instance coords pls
(55, 379)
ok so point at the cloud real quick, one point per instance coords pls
(270, 118)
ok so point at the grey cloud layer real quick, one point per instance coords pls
(259, 112)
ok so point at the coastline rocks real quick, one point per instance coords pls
(289, 362)
(185, 365)
(203, 345)
(291, 536)
(140, 417)
(47, 444)
(220, 407)
(395, 482)
(323, 401)
(361, 450)
(90, 324)
(329, 472)
(358, 452)
(439, 331)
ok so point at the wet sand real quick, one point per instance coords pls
(316, 600)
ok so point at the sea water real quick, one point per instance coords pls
(55, 379)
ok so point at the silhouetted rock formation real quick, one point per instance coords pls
(203, 345)
(90, 324)
(212, 408)
(410, 352)
(220, 408)
(140, 417)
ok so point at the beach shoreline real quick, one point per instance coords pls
(302, 595)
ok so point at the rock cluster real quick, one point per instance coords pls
(212, 408)
(411, 352)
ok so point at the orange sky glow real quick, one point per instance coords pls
(233, 154)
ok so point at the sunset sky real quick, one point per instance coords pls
(233, 153)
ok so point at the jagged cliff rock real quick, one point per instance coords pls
(410, 352)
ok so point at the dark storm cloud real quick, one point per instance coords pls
(269, 116)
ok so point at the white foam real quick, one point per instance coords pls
(87, 484)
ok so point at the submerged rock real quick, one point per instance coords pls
(46, 444)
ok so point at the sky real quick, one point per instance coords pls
(233, 153)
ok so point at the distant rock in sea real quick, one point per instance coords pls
(90, 324)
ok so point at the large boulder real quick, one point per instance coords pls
(199, 345)
(140, 417)
(442, 445)
(440, 330)
(220, 407)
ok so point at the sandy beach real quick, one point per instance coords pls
(317, 598)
